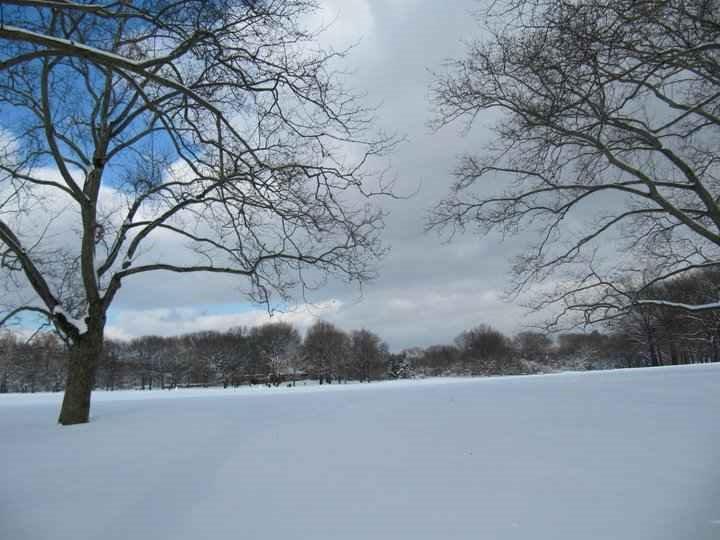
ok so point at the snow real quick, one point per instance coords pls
(627, 454)
(77, 323)
(713, 306)
(44, 39)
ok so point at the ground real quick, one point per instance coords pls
(629, 454)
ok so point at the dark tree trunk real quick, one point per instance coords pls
(82, 364)
(654, 360)
(674, 359)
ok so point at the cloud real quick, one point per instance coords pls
(428, 290)
(344, 23)
(130, 323)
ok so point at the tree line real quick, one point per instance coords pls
(276, 353)
(667, 332)
(271, 354)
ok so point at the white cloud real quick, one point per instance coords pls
(428, 291)
(128, 324)
(345, 23)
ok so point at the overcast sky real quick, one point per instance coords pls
(428, 290)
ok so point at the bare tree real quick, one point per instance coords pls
(533, 346)
(368, 355)
(279, 345)
(485, 350)
(8, 346)
(325, 351)
(229, 352)
(606, 145)
(216, 124)
(439, 360)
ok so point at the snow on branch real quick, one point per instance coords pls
(679, 305)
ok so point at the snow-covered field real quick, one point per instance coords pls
(609, 455)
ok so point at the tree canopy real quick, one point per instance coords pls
(606, 145)
(217, 127)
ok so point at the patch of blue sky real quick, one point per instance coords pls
(26, 323)
(75, 88)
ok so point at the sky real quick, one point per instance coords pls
(428, 290)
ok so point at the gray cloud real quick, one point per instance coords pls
(428, 290)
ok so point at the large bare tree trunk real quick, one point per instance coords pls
(82, 365)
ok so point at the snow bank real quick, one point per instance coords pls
(606, 455)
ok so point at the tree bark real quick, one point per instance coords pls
(82, 365)
(674, 360)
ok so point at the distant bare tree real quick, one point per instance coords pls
(533, 346)
(439, 360)
(230, 353)
(326, 351)
(34, 365)
(608, 130)
(110, 373)
(368, 355)
(487, 351)
(217, 124)
(400, 365)
(150, 358)
(8, 346)
(279, 344)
